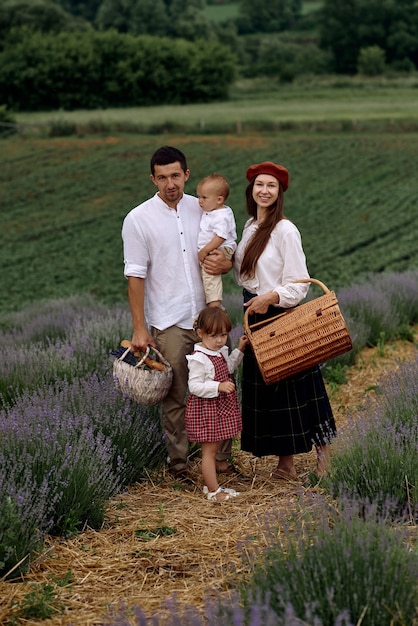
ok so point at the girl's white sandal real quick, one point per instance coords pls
(211, 495)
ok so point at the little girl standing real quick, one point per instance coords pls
(212, 411)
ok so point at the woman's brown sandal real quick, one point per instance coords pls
(279, 474)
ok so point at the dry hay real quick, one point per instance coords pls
(201, 557)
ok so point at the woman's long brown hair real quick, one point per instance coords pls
(259, 240)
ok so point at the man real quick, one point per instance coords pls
(165, 288)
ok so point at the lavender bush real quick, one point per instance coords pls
(370, 304)
(83, 345)
(375, 312)
(134, 430)
(59, 452)
(217, 613)
(383, 305)
(401, 289)
(65, 451)
(398, 394)
(340, 564)
(24, 512)
(47, 321)
(376, 456)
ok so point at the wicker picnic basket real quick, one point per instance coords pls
(143, 384)
(299, 338)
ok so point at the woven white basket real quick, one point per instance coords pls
(144, 385)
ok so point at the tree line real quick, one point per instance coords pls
(101, 53)
(172, 18)
(100, 70)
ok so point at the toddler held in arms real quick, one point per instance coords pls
(212, 412)
(217, 230)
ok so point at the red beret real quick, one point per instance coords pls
(267, 167)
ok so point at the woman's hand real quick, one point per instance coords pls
(260, 304)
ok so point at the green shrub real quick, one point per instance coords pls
(371, 61)
(7, 122)
(273, 56)
(99, 70)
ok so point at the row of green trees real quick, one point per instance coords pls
(172, 18)
(139, 52)
(348, 26)
(342, 27)
(99, 70)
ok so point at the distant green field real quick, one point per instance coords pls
(221, 12)
(353, 196)
(351, 101)
(227, 10)
(310, 6)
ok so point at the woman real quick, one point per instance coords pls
(291, 416)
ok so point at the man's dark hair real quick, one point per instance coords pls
(167, 155)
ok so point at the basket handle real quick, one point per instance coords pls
(139, 362)
(247, 327)
(315, 281)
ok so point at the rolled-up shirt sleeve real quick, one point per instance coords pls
(135, 251)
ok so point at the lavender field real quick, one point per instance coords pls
(70, 442)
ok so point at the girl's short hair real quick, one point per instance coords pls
(213, 320)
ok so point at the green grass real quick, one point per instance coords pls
(221, 12)
(353, 192)
(311, 6)
(353, 196)
(322, 101)
(228, 10)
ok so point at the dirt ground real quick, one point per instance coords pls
(160, 538)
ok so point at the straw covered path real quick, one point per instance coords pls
(161, 539)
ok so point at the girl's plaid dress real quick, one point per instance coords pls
(214, 419)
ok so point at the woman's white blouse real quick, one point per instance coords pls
(202, 370)
(281, 262)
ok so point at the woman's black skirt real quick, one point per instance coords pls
(287, 417)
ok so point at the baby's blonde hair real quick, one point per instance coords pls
(219, 182)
